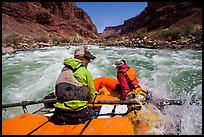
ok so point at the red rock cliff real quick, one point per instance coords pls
(46, 19)
(159, 15)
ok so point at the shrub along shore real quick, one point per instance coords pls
(152, 44)
(186, 37)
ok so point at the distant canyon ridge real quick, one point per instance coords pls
(28, 25)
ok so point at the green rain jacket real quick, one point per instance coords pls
(85, 78)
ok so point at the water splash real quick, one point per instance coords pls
(30, 75)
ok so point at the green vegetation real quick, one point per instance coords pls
(140, 33)
(68, 40)
(78, 40)
(41, 39)
(186, 30)
(171, 35)
(63, 40)
(175, 34)
(13, 40)
(60, 40)
(184, 33)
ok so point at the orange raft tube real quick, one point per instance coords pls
(109, 83)
(36, 124)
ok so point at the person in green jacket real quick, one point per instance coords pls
(74, 89)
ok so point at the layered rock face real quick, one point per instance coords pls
(58, 20)
(161, 15)
(111, 31)
(46, 19)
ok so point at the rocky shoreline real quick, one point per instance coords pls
(193, 42)
(151, 44)
(174, 45)
(189, 42)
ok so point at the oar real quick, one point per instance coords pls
(53, 100)
(25, 103)
(164, 102)
(158, 102)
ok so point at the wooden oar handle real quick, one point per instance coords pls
(25, 103)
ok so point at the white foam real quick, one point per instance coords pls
(30, 75)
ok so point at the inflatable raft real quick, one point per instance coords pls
(109, 119)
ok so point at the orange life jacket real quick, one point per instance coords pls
(131, 76)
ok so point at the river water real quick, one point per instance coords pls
(31, 75)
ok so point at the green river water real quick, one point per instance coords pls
(31, 75)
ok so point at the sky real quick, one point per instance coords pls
(106, 14)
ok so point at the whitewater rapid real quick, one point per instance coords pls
(31, 75)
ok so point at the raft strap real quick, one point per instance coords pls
(89, 121)
(38, 127)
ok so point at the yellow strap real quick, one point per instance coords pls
(104, 91)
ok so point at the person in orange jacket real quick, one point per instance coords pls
(127, 77)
